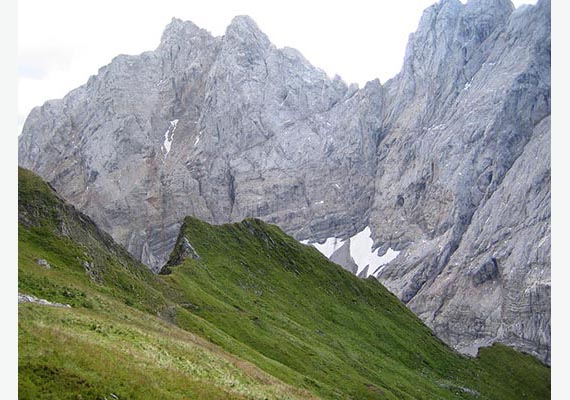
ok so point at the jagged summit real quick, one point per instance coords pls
(242, 24)
(179, 31)
(242, 28)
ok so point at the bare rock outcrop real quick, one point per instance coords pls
(457, 149)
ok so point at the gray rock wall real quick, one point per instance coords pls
(438, 161)
(453, 147)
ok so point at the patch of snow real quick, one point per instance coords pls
(319, 202)
(169, 137)
(198, 138)
(167, 142)
(361, 251)
(329, 246)
(361, 248)
(437, 127)
(467, 86)
(390, 255)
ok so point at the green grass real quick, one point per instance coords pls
(342, 336)
(257, 316)
(64, 353)
(114, 339)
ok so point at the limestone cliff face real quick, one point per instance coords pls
(447, 163)
(219, 128)
(471, 101)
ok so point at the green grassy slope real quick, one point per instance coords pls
(114, 340)
(346, 337)
(258, 315)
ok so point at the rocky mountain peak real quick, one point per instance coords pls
(491, 6)
(244, 30)
(179, 31)
(450, 26)
(440, 13)
(232, 127)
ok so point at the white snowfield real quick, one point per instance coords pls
(361, 251)
(329, 246)
(169, 137)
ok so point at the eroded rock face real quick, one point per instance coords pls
(219, 128)
(456, 145)
(438, 161)
(477, 302)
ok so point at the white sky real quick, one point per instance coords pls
(62, 42)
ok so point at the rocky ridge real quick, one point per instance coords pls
(447, 163)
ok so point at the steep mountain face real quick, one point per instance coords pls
(243, 311)
(447, 163)
(219, 128)
(463, 184)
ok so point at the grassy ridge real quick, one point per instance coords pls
(114, 340)
(257, 316)
(348, 337)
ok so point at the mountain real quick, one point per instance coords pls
(446, 167)
(470, 150)
(241, 311)
(93, 321)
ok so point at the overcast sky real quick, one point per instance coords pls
(62, 42)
